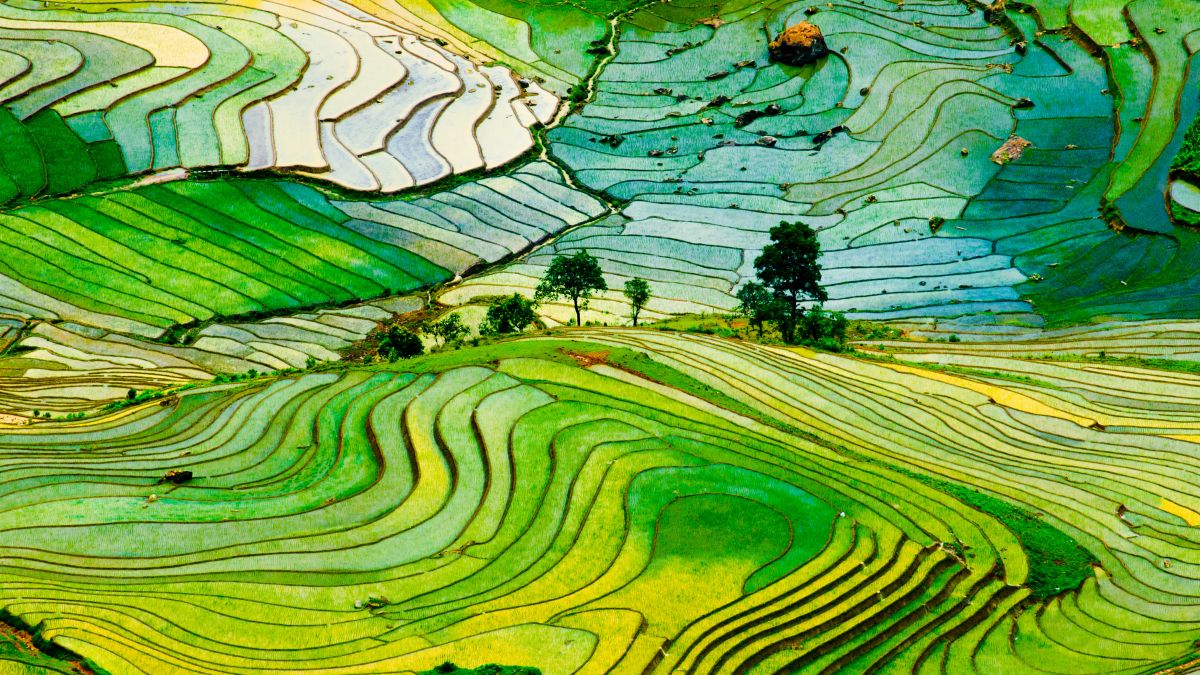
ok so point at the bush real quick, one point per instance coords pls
(818, 327)
(1187, 161)
(400, 343)
(508, 315)
(447, 331)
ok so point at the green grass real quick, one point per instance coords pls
(1173, 365)
(1057, 563)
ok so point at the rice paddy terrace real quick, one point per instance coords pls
(625, 500)
(213, 203)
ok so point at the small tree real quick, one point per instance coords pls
(400, 343)
(447, 330)
(825, 328)
(757, 304)
(788, 266)
(638, 293)
(508, 315)
(576, 277)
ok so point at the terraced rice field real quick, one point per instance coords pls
(207, 209)
(621, 499)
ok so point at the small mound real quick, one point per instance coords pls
(800, 44)
(1012, 150)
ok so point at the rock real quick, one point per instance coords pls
(773, 109)
(747, 117)
(717, 75)
(767, 141)
(824, 136)
(613, 141)
(1011, 150)
(1023, 103)
(719, 101)
(176, 477)
(798, 45)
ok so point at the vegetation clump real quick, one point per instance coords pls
(400, 343)
(448, 330)
(449, 668)
(511, 314)
(1187, 160)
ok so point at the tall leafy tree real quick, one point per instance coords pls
(788, 266)
(577, 277)
(637, 291)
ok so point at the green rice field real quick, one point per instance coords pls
(215, 217)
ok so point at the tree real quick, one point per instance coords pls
(757, 304)
(447, 330)
(508, 315)
(788, 266)
(818, 326)
(638, 293)
(400, 343)
(576, 277)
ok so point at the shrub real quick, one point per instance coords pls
(400, 343)
(816, 327)
(757, 304)
(446, 331)
(508, 315)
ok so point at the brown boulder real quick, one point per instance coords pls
(798, 45)
(1011, 151)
